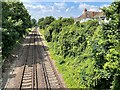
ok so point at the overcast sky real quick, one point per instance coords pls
(65, 8)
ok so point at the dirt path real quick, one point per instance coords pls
(33, 62)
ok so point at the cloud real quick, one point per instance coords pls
(82, 6)
(60, 5)
(75, 1)
(105, 5)
(35, 6)
(39, 7)
(72, 7)
(67, 10)
(38, 10)
(94, 9)
(56, 9)
(89, 7)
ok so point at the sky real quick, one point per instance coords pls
(62, 8)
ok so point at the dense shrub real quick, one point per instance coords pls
(89, 53)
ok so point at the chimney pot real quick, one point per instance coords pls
(85, 10)
(93, 14)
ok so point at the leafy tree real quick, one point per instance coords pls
(44, 23)
(39, 21)
(15, 21)
(34, 22)
(56, 27)
(67, 21)
(48, 20)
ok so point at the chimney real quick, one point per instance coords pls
(93, 14)
(85, 10)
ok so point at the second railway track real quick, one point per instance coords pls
(51, 76)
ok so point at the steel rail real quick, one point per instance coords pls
(53, 68)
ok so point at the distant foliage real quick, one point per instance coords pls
(33, 22)
(44, 22)
(56, 27)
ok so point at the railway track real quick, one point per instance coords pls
(51, 77)
(28, 79)
(21, 55)
(37, 70)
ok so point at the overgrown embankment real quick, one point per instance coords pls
(87, 54)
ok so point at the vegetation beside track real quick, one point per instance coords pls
(87, 54)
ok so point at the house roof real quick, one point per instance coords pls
(90, 14)
(101, 14)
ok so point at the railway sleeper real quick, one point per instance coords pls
(27, 84)
(27, 78)
(27, 81)
(54, 78)
(53, 81)
(51, 76)
(53, 85)
(50, 72)
(49, 69)
(27, 75)
(30, 86)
